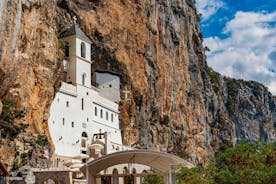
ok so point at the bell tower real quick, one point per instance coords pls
(77, 61)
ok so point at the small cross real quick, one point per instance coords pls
(126, 93)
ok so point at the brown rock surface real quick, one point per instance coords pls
(29, 61)
(156, 48)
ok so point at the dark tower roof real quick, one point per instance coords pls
(75, 30)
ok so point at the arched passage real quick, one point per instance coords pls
(50, 181)
(52, 176)
(158, 160)
(115, 179)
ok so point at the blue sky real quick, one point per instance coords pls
(242, 37)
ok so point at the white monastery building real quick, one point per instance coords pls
(84, 119)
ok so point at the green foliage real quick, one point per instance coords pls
(13, 131)
(27, 155)
(9, 111)
(153, 177)
(62, 44)
(196, 175)
(246, 163)
(214, 77)
(233, 90)
(42, 141)
(156, 179)
(16, 164)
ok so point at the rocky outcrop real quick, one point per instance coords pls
(174, 103)
(240, 110)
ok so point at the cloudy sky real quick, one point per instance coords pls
(241, 35)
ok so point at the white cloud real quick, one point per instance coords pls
(208, 7)
(250, 50)
(272, 87)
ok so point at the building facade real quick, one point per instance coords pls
(84, 119)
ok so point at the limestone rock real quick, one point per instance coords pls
(174, 104)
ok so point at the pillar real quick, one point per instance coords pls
(90, 179)
(166, 178)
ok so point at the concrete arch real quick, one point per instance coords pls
(158, 160)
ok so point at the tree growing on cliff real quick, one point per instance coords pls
(242, 164)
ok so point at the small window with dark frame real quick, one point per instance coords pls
(63, 121)
(82, 104)
(112, 117)
(83, 76)
(67, 103)
(101, 113)
(83, 49)
(73, 124)
(66, 49)
(106, 115)
(95, 111)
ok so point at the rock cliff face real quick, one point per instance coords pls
(175, 103)
(240, 110)
(28, 69)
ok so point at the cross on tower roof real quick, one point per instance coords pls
(75, 30)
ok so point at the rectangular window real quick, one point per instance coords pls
(106, 115)
(63, 121)
(72, 124)
(82, 105)
(66, 49)
(101, 113)
(95, 111)
(67, 103)
(112, 117)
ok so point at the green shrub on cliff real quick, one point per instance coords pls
(9, 114)
(214, 77)
(246, 163)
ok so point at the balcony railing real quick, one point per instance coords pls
(68, 88)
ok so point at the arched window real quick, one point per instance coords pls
(50, 181)
(125, 170)
(84, 134)
(83, 49)
(115, 179)
(83, 76)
